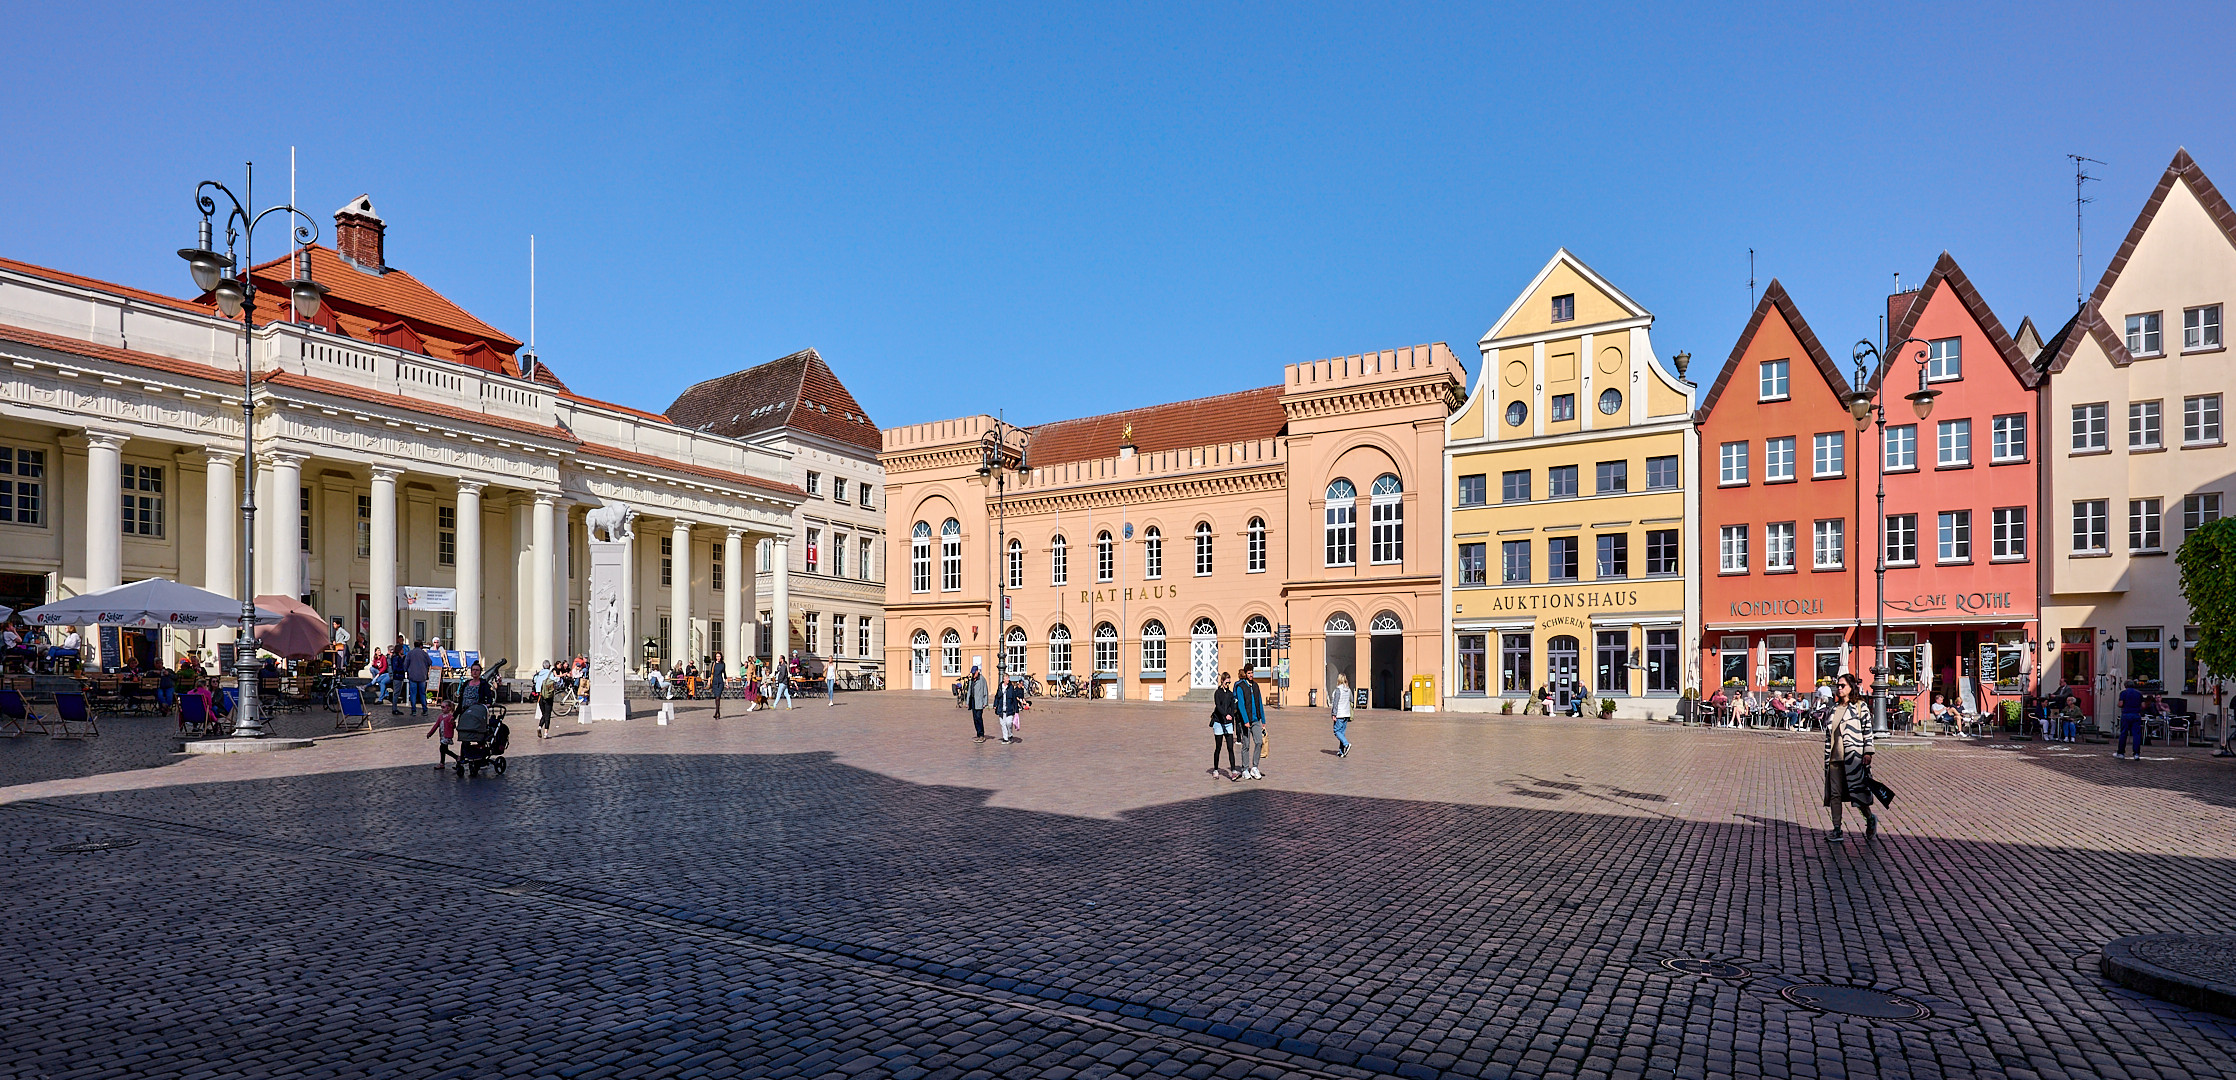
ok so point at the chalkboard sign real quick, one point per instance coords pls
(225, 656)
(112, 646)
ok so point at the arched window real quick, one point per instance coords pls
(1257, 642)
(1257, 545)
(951, 653)
(1059, 651)
(951, 556)
(1106, 648)
(1106, 559)
(920, 653)
(1059, 561)
(1203, 549)
(1343, 524)
(919, 558)
(1386, 534)
(1153, 553)
(1152, 646)
(1339, 623)
(1013, 652)
(1016, 564)
(1386, 622)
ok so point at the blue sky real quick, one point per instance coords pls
(1058, 210)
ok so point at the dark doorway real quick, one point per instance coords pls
(1386, 661)
(1562, 656)
(1343, 654)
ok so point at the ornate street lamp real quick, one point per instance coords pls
(996, 457)
(236, 298)
(1868, 406)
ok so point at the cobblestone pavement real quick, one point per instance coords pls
(865, 891)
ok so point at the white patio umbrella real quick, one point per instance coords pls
(146, 604)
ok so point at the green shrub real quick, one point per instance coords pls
(1506, 708)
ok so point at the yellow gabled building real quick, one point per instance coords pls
(1570, 487)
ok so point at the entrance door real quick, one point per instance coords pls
(1562, 656)
(920, 661)
(1343, 654)
(1386, 661)
(2078, 669)
(1203, 656)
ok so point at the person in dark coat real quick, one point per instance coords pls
(417, 664)
(976, 698)
(1224, 714)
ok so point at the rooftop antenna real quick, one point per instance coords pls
(528, 361)
(1750, 279)
(2080, 273)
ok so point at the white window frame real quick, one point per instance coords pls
(1777, 459)
(1059, 561)
(1106, 558)
(1059, 650)
(1777, 547)
(2008, 438)
(1944, 360)
(1952, 537)
(1829, 544)
(2092, 428)
(2144, 334)
(1203, 549)
(2146, 425)
(1016, 563)
(1731, 549)
(1902, 448)
(1341, 528)
(2201, 328)
(1774, 382)
(2201, 420)
(1828, 454)
(1257, 547)
(919, 557)
(2091, 526)
(2199, 510)
(1153, 647)
(1386, 521)
(2007, 534)
(1152, 553)
(951, 556)
(2146, 525)
(1900, 539)
(1731, 464)
(950, 654)
(1952, 443)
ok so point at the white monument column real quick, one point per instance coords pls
(221, 514)
(780, 608)
(104, 527)
(286, 515)
(468, 550)
(679, 603)
(630, 657)
(733, 601)
(382, 580)
(543, 591)
(606, 641)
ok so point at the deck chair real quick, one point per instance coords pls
(353, 717)
(194, 715)
(15, 713)
(75, 717)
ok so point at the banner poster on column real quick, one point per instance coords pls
(426, 598)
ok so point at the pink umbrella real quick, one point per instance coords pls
(301, 632)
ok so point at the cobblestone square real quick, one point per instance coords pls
(864, 890)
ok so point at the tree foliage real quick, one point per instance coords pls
(2208, 561)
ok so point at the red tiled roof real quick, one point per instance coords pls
(799, 391)
(2185, 169)
(654, 462)
(638, 413)
(1240, 416)
(1946, 271)
(166, 364)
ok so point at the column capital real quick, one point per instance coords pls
(733, 534)
(387, 472)
(285, 459)
(471, 487)
(226, 458)
(684, 525)
(91, 438)
(547, 498)
(780, 540)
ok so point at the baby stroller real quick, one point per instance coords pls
(482, 733)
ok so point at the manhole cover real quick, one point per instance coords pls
(1714, 969)
(110, 844)
(1854, 1001)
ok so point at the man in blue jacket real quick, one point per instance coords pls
(416, 667)
(1251, 705)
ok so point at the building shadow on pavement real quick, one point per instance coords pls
(1450, 938)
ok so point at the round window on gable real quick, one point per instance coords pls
(1610, 400)
(1516, 413)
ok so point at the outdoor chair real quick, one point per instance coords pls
(194, 715)
(15, 713)
(353, 717)
(74, 716)
(2179, 720)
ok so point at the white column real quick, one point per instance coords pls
(287, 524)
(543, 592)
(630, 639)
(221, 513)
(780, 608)
(733, 600)
(679, 604)
(562, 581)
(104, 535)
(260, 553)
(382, 579)
(469, 564)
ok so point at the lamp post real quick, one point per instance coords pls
(236, 297)
(1868, 406)
(996, 457)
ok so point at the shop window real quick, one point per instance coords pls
(1663, 671)
(1779, 652)
(1732, 655)
(1611, 662)
(1828, 655)
(2143, 656)
(1514, 663)
(1472, 664)
(2010, 661)
(1902, 660)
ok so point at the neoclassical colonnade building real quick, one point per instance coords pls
(1151, 550)
(401, 448)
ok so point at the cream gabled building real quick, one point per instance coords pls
(1570, 491)
(2137, 450)
(400, 444)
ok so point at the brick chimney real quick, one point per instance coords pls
(1898, 305)
(360, 234)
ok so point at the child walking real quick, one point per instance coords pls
(445, 725)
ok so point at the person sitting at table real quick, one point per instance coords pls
(166, 688)
(1781, 707)
(69, 650)
(270, 673)
(190, 672)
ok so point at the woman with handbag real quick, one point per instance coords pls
(1223, 714)
(1847, 760)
